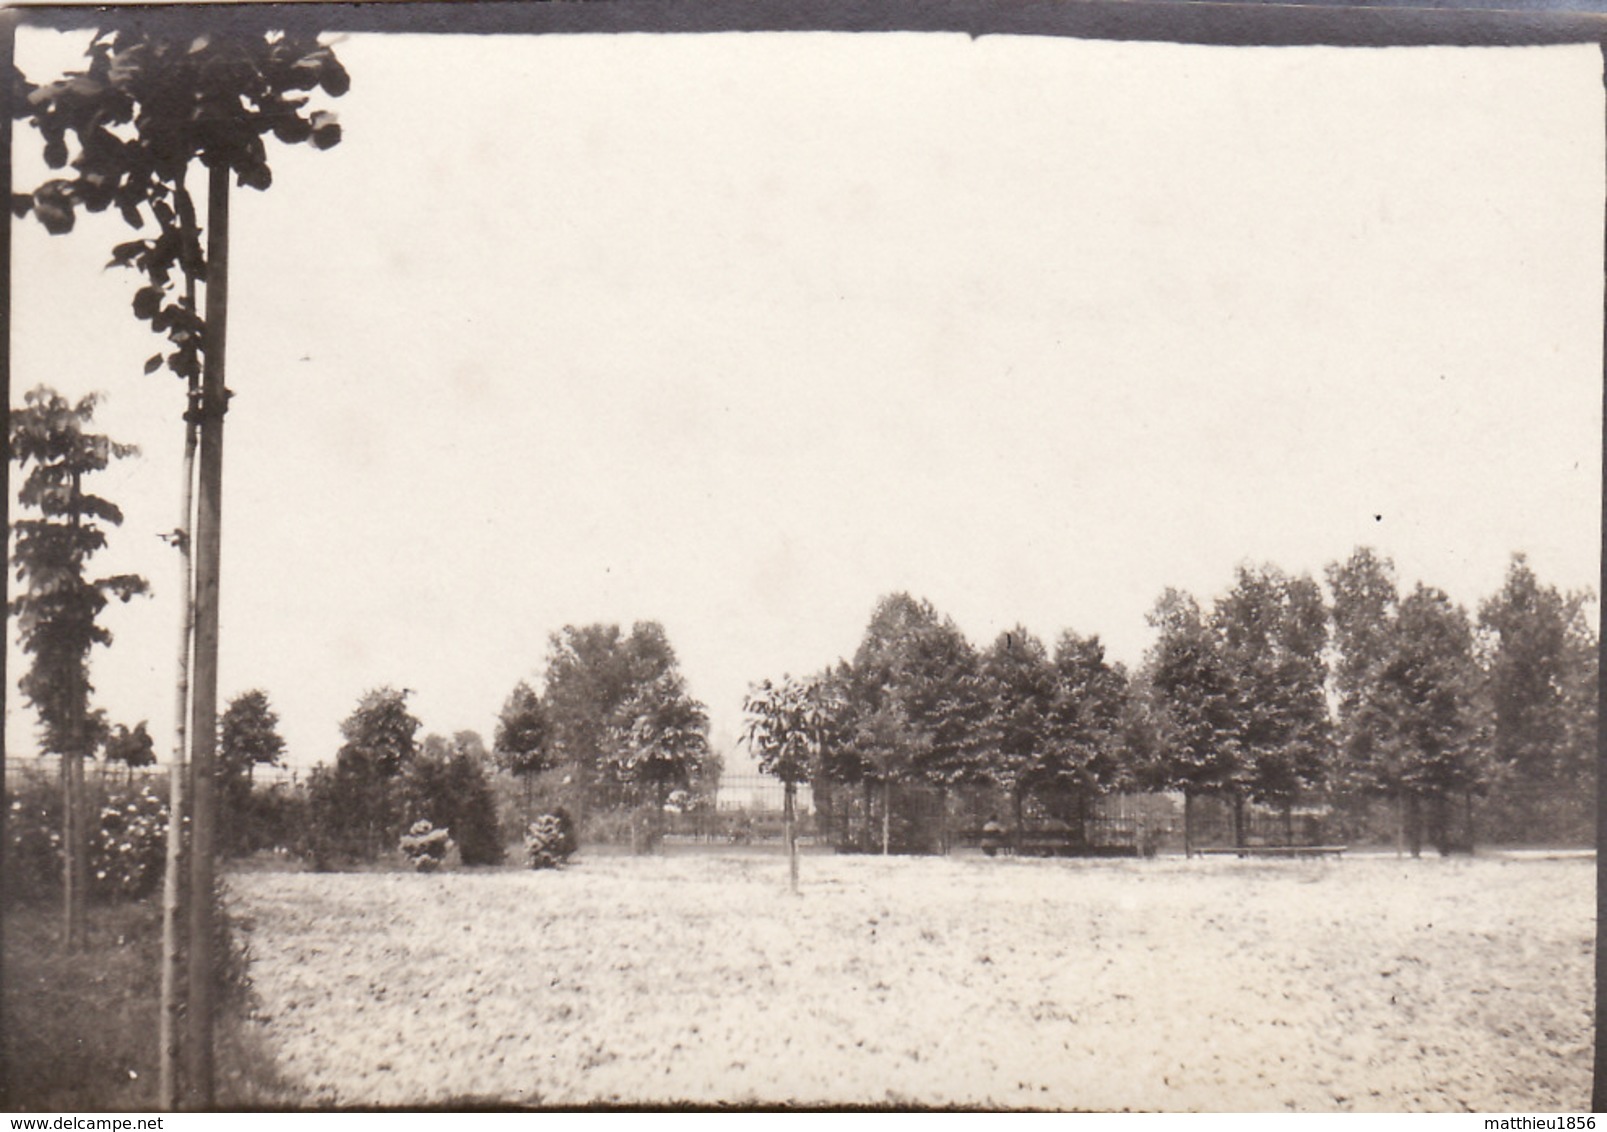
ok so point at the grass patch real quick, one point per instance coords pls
(700, 981)
(80, 1030)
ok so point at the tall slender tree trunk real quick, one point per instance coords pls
(1414, 824)
(870, 812)
(76, 839)
(1239, 838)
(790, 825)
(1440, 823)
(1467, 798)
(173, 876)
(1188, 823)
(74, 819)
(1016, 808)
(658, 817)
(1288, 822)
(203, 724)
(887, 815)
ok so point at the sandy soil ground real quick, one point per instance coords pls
(1220, 985)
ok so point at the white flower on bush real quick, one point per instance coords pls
(426, 846)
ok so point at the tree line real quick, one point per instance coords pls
(614, 735)
(1277, 694)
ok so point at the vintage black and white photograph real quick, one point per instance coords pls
(605, 559)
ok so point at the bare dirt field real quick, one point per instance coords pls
(1363, 983)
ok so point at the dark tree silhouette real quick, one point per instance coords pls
(58, 610)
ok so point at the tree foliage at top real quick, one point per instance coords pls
(144, 108)
(1087, 717)
(248, 736)
(1366, 600)
(58, 609)
(661, 738)
(902, 693)
(1430, 696)
(133, 748)
(788, 726)
(1194, 701)
(1020, 686)
(1527, 629)
(520, 744)
(619, 715)
(1273, 631)
(379, 735)
(1411, 709)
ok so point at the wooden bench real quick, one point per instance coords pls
(1274, 851)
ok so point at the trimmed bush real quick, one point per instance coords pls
(425, 846)
(550, 841)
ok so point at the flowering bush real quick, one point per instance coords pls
(33, 844)
(127, 842)
(128, 847)
(426, 846)
(549, 841)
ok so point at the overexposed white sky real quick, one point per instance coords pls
(740, 332)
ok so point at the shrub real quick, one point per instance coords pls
(550, 841)
(33, 845)
(127, 842)
(452, 790)
(276, 817)
(349, 817)
(128, 848)
(475, 818)
(425, 846)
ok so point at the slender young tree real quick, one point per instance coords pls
(787, 728)
(58, 611)
(149, 104)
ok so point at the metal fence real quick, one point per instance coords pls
(758, 793)
(25, 768)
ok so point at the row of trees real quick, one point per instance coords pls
(613, 736)
(1276, 694)
(614, 725)
(384, 779)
